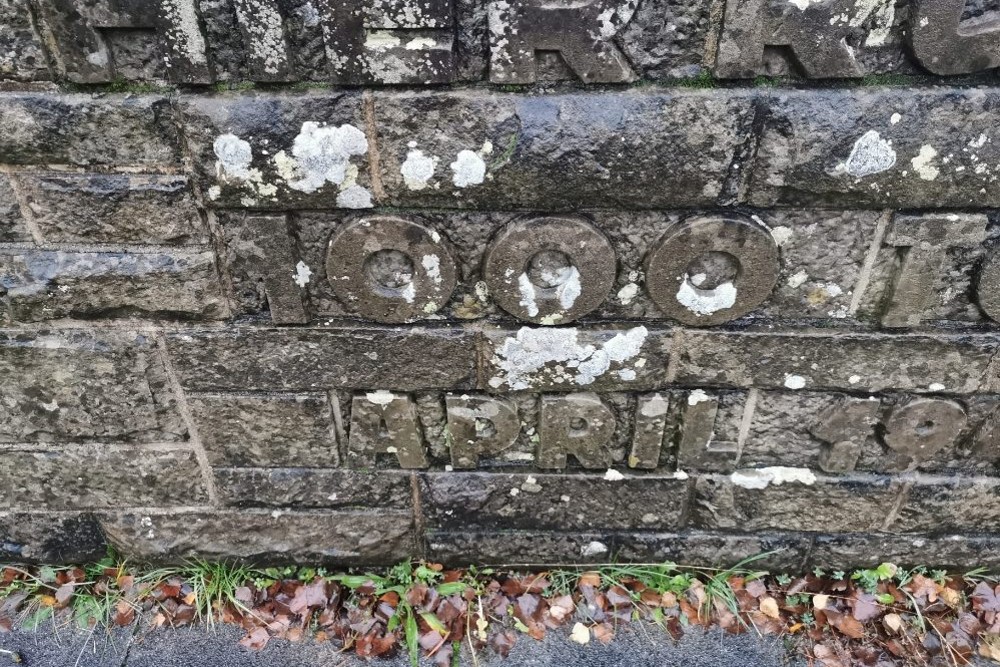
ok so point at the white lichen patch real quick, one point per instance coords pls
(871, 155)
(569, 289)
(381, 39)
(922, 163)
(528, 295)
(781, 235)
(265, 28)
(854, 379)
(469, 169)
(627, 294)
(803, 4)
(698, 396)
(233, 159)
(321, 155)
(302, 274)
(761, 478)
(705, 301)
(895, 118)
(432, 265)
(185, 29)
(798, 279)
(557, 356)
(613, 475)
(795, 382)
(592, 549)
(418, 169)
(656, 406)
(936, 386)
(380, 397)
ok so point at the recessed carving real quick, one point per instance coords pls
(845, 427)
(385, 423)
(390, 270)
(924, 426)
(577, 424)
(480, 425)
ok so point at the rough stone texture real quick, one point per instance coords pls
(73, 477)
(310, 359)
(305, 488)
(266, 430)
(85, 130)
(72, 385)
(12, 228)
(21, 56)
(43, 285)
(51, 537)
(334, 538)
(116, 208)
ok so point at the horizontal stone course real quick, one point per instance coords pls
(305, 488)
(51, 537)
(74, 477)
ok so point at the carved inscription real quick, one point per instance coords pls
(945, 45)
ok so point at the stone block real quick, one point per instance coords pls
(343, 538)
(21, 54)
(305, 488)
(878, 148)
(267, 430)
(85, 130)
(113, 208)
(466, 149)
(532, 501)
(51, 538)
(826, 359)
(12, 228)
(956, 504)
(73, 477)
(50, 284)
(574, 359)
(72, 385)
(280, 151)
(946, 550)
(774, 551)
(747, 501)
(519, 548)
(310, 359)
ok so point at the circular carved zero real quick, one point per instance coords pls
(710, 270)
(549, 270)
(389, 269)
(923, 426)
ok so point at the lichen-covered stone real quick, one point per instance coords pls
(75, 385)
(326, 538)
(113, 208)
(21, 55)
(74, 477)
(44, 285)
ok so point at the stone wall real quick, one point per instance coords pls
(500, 281)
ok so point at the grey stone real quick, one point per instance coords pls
(958, 552)
(582, 34)
(385, 423)
(112, 208)
(669, 39)
(570, 358)
(266, 430)
(390, 269)
(263, 256)
(280, 151)
(934, 505)
(988, 287)
(74, 477)
(12, 228)
(516, 547)
(649, 430)
(846, 426)
(49, 537)
(43, 285)
(85, 130)
(830, 504)
(73, 385)
(307, 359)
(21, 54)
(699, 446)
(549, 270)
(710, 270)
(562, 151)
(577, 424)
(480, 425)
(533, 501)
(848, 148)
(774, 551)
(268, 49)
(944, 46)
(334, 537)
(921, 427)
(828, 360)
(304, 488)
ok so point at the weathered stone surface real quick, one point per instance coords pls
(12, 228)
(113, 208)
(572, 359)
(951, 551)
(942, 504)
(332, 537)
(44, 285)
(245, 359)
(555, 502)
(280, 151)
(21, 55)
(567, 151)
(73, 385)
(84, 130)
(51, 538)
(872, 148)
(384, 423)
(266, 430)
(511, 547)
(783, 552)
(827, 360)
(944, 46)
(303, 488)
(73, 477)
(828, 504)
